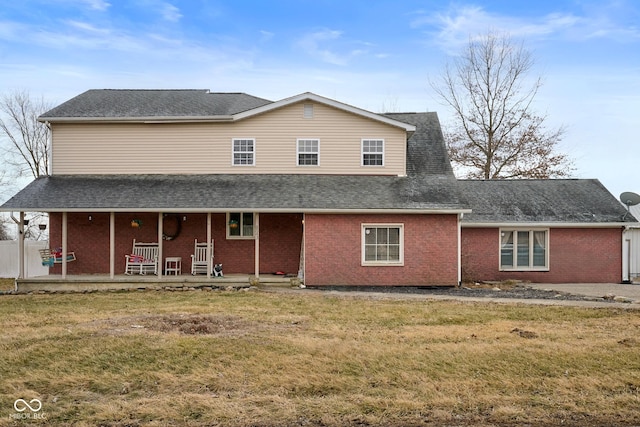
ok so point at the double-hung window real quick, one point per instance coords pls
(240, 225)
(382, 244)
(308, 152)
(244, 152)
(373, 152)
(524, 249)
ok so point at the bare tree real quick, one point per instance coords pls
(25, 143)
(496, 134)
(27, 150)
(4, 232)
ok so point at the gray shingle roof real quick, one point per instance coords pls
(234, 192)
(427, 152)
(123, 103)
(561, 200)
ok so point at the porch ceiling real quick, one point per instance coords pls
(210, 193)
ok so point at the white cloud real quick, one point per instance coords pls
(314, 45)
(169, 12)
(100, 5)
(266, 36)
(453, 27)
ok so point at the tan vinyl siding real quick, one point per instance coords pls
(202, 148)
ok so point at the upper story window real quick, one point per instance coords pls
(524, 249)
(244, 152)
(373, 152)
(308, 152)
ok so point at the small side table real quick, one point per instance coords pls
(173, 265)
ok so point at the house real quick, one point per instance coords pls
(306, 186)
(551, 231)
(631, 248)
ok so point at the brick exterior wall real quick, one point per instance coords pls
(333, 251)
(576, 255)
(280, 241)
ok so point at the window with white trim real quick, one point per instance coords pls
(308, 152)
(524, 250)
(244, 152)
(382, 244)
(373, 152)
(240, 225)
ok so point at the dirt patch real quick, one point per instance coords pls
(196, 324)
(182, 323)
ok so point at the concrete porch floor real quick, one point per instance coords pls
(102, 282)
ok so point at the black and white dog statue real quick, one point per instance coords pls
(217, 270)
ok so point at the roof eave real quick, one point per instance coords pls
(151, 119)
(544, 224)
(433, 211)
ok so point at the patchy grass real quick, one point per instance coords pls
(262, 359)
(7, 284)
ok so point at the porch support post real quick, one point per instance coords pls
(64, 245)
(112, 245)
(209, 248)
(160, 231)
(257, 244)
(21, 245)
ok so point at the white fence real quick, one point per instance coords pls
(10, 259)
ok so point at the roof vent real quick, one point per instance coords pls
(308, 111)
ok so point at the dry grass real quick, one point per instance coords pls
(308, 359)
(7, 284)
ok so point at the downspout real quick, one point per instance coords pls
(460, 216)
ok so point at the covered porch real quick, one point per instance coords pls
(243, 242)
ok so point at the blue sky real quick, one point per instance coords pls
(377, 55)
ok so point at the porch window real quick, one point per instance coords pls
(244, 152)
(240, 225)
(372, 152)
(524, 250)
(382, 244)
(308, 152)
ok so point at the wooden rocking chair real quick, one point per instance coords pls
(199, 262)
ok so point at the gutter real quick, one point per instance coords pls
(236, 208)
(151, 119)
(545, 224)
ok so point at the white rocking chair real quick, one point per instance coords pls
(199, 262)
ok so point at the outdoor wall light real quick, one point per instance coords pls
(90, 218)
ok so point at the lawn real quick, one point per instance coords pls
(255, 358)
